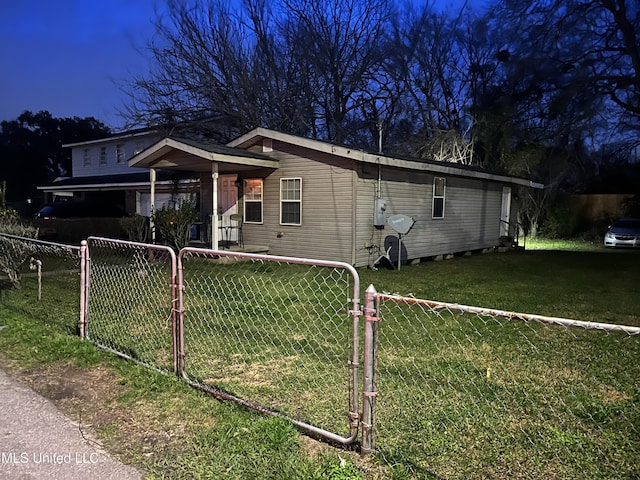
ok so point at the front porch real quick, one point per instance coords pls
(201, 238)
(222, 171)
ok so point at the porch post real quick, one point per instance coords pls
(214, 208)
(152, 207)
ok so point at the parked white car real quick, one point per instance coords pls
(623, 233)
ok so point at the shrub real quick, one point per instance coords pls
(173, 225)
(13, 251)
(559, 221)
(136, 227)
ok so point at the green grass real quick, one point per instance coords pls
(570, 245)
(460, 397)
(157, 422)
(591, 284)
(462, 394)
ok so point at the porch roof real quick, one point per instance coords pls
(183, 154)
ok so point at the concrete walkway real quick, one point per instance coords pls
(38, 442)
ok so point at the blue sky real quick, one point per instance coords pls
(70, 56)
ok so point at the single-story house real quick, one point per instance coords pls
(308, 198)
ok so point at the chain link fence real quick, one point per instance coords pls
(278, 331)
(41, 279)
(131, 301)
(448, 391)
(472, 393)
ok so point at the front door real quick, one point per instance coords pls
(505, 213)
(227, 205)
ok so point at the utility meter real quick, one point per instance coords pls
(379, 212)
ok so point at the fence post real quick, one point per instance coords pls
(82, 321)
(369, 371)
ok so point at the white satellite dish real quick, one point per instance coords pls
(401, 224)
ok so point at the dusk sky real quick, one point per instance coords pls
(70, 56)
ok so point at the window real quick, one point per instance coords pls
(253, 201)
(103, 156)
(120, 153)
(439, 184)
(86, 158)
(291, 201)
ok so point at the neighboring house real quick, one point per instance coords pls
(101, 174)
(308, 198)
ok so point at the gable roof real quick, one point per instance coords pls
(199, 156)
(184, 154)
(139, 133)
(256, 136)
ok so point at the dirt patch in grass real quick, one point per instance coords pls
(132, 429)
(141, 428)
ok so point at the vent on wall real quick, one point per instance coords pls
(267, 145)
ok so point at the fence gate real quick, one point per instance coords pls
(277, 334)
(130, 301)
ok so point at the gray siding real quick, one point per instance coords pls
(329, 208)
(471, 221)
(326, 230)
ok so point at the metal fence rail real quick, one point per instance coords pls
(280, 332)
(465, 392)
(448, 391)
(41, 279)
(131, 301)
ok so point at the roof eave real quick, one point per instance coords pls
(152, 157)
(255, 135)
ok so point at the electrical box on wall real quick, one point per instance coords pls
(379, 212)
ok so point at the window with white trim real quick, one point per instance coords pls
(291, 201)
(86, 158)
(253, 200)
(103, 156)
(120, 153)
(439, 186)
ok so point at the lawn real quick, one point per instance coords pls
(460, 397)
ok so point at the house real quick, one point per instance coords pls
(308, 198)
(101, 174)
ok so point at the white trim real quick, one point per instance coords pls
(299, 201)
(434, 197)
(245, 201)
(100, 186)
(152, 156)
(111, 139)
(121, 155)
(505, 212)
(102, 156)
(446, 169)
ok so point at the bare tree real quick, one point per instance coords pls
(571, 68)
(296, 65)
(218, 68)
(438, 64)
(340, 43)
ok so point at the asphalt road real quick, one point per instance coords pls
(38, 442)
